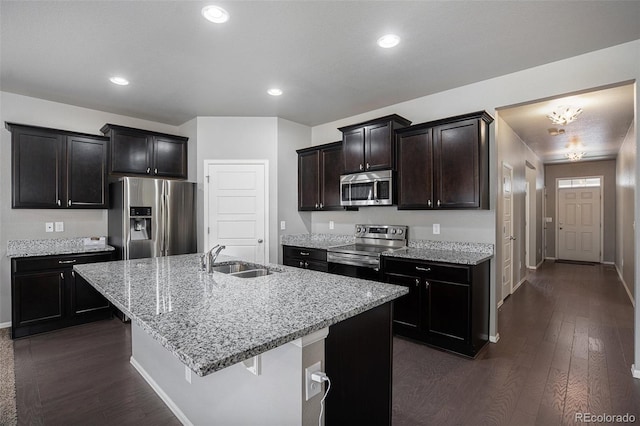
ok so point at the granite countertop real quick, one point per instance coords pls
(317, 241)
(52, 247)
(462, 253)
(212, 321)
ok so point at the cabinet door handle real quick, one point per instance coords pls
(62, 275)
(321, 205)
(59, 203)
(361, 167)
(316, 205)
(66, 262)
(438, 203)
(301, 264)
(148, 170)
(367, 166)
(417, 282)
(429, 203)
(73, 274)
(69, 203)
(426, 285)
(306, 264)
(418, 268)
(304, 253)
(155, 171)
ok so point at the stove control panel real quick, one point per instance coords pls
(385, 232)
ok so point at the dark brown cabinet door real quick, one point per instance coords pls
(353, 150)
(37, 168)
(415, 170)
(406, 309)
(84, 298)
(309, 180)
(332, 168)
(378, 147)
(170, 157)
(86, 172)
(456, 165)
(446, 310)
(130, 152)
(38, 298)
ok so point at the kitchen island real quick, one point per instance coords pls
(224, 328)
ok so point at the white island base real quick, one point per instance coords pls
(235, 395)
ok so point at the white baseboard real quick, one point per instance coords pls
(163, 396)
(550, 258)
(635, 371)
(518, 285)
(626, 287)
(500, 303)
(5, 324)
(494, 339)
(608, 263)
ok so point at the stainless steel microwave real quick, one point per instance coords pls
(367, 189)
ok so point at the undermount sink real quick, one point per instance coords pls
(242, 269)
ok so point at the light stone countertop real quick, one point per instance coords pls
(52, 247)
(317, 241)
(212, 321)
(444, 256)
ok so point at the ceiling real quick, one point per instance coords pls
(598, 131)
(322, 54)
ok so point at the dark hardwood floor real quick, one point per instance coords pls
(566, 346)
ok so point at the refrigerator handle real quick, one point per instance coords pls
(163, 214)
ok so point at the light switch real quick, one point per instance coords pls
(59, 226)
(48, 226)
(283, 225)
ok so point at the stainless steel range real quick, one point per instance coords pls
(362, 259)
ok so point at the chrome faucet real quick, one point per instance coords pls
(211, 256)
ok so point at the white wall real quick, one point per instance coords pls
(594, 69)
(29, 223)
(625, 185)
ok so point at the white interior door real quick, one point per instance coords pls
(507, 230)
(579, 224)
(236, 212)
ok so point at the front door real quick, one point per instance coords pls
(579, 224)
(236, 208)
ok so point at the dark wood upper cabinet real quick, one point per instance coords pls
(319, 170)
(444, 164)
(54, 168)
(145, 153)
(370, 145)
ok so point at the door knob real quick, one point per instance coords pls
(260, 240)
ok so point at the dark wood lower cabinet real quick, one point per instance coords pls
(46, 294)
(306, 258)
(358, 358)
(447, 305)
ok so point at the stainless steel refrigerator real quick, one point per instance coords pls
(152, 217)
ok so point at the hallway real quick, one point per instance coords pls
(566, 347)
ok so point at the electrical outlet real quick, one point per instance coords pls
(436, 228)
(312, 388)
(283, 225)
(331, 224)
(59, 226)
(48, 226)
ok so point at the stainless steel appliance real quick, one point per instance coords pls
(367, 189)
(362, 259)
(152, 217)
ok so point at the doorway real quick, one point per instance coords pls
(236, 211)
(579, 224)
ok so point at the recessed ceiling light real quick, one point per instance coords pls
(388, 41)
(215, 14)
(120, 81)
(274, 91)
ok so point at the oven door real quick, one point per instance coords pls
(353, 271)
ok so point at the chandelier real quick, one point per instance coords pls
(564, 114)
(575, 155)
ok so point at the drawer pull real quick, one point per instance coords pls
(66, 262)
(418, 268)
(417, 282)
(306, 264)
(426, 285)
(304, 253)
(62, 275)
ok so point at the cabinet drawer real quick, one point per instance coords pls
(42, 263)
(304, 253)
(427, 270)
